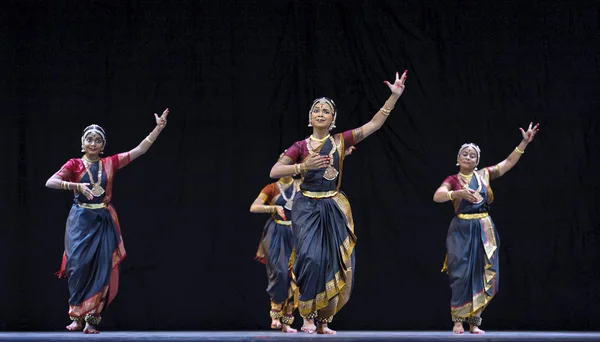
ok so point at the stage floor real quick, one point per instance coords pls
(278, 336)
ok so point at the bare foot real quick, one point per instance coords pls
(275, 324)
(458, 328)
(90, 329)
(287, 329)
(322, 329)
(476, 330)
(74, 326)
(309, 326)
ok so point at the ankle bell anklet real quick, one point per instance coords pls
(287, 319)
(311, 315)
(475, 321)
(275, 314)
(324, 320)
(93, 320)
(457, 319)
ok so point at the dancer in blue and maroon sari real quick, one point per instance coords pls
(472, 243)
(93, 242)
(275, 249)
(321, 217)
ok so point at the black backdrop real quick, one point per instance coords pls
(238, 77)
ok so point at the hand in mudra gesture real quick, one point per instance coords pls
(316, 161)
(398, 86)
(280, 212)
(84, 189)
(466, 194)
(161, 121)
(530, 133)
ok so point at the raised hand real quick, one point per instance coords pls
(398, 86)
(530, 133)
(161, 121)
(83, 188)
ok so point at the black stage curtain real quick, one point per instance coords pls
(239, 77)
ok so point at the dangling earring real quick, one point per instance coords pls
(457, 164)
(332, 126)
(102, 151)
(309, 123)
(82, 149)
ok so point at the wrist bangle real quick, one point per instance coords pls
(518, 150)
(148, 139)
(385, 111)
(449, 193)
(303, 167)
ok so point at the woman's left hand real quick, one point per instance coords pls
(161, 121)
(349, 151)
(398, 86)
(530, 133)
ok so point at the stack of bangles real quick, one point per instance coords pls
(300, 168)
(270, 209)
(518, 150)
(450, 195)
(65, 185)
(148, 139)
(386, 111)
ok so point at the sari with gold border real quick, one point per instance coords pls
(472, 244)
(323, 231)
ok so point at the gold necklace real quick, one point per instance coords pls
(466, 179)
(97, 189)
(330, 173)
(312, 137)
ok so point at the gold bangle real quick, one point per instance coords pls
(385, 111)
(303, 167)
(149, 140)
(518, 150)
(449, 193)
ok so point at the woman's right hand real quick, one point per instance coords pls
(281, 212)
(466, 194)
(83, 188)
(316, 161)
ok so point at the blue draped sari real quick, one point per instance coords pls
(324, 235)
(472, 244)
(93, 242)
(276, 247)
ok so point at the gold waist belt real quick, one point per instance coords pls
(283, 223)
(319, 194)
(472, 216)
(92, 205)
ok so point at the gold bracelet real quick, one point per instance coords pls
(296, 169)
(385, 111)
(63, 185)
(449, 193)
(518, 150)
(303, 167)
(149, 140)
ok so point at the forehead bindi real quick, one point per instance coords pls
(93, 136)
(323, 106)
(469, 151)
